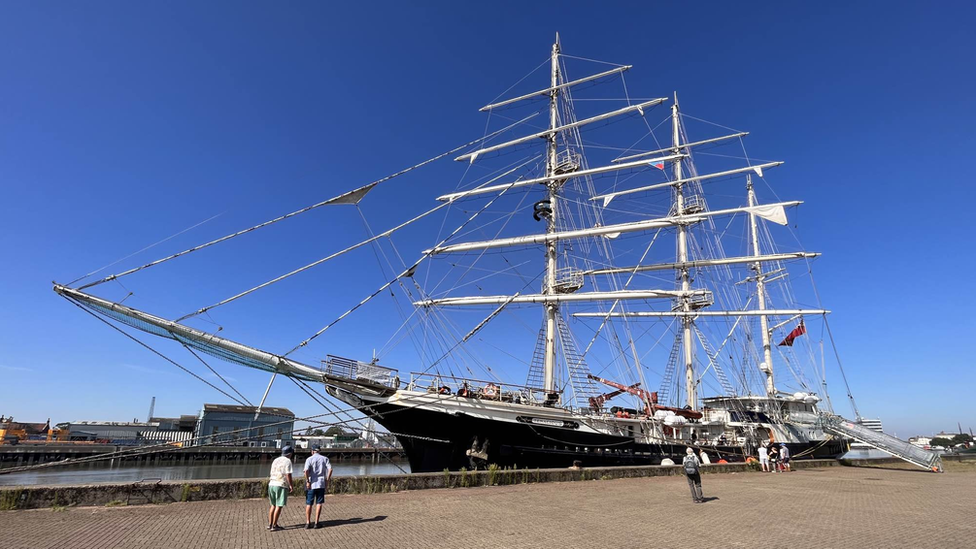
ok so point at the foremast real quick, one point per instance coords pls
(551, 306)
(767, 366)
(683, 272)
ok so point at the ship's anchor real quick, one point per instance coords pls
(478, 453)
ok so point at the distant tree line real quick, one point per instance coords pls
(333, 431)
(961, 438)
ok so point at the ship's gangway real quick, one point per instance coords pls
(839, 426)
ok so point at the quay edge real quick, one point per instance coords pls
(158, 492)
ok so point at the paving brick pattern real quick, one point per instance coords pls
(856, 508)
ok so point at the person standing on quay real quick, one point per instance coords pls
(692, 470)
(764, 458)
(279, 486)
(318, 473)
(784, 455)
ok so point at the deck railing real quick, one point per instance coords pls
(483, 389)
(360, 371)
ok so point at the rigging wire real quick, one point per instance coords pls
(214, 372)
(137, 252)
(590, 60)
(408, 271)
(167, 446)
(324, 403)
(154, 351)
(363, 189)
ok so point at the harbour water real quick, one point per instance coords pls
(95, 473)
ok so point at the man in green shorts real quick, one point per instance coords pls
(279, 486)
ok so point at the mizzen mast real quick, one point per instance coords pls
(551, 307)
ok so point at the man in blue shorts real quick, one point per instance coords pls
(318, 473)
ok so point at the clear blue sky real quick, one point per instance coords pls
(123, 123)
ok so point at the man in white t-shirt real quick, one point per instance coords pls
(318, 473)
(279, 486)
(764, 458)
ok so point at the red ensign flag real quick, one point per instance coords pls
(797, 332)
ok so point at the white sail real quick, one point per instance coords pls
(607, 230)
(556, 298)
(702, 263)
(549, 90)
(678, 314)
(682, 146)
(758, 169)
(638, 107)
(538, 180)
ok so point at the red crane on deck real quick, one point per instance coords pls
(647, 397)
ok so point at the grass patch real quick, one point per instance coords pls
(9, 499)
(186, 494)
(115, 503)
(491, 478)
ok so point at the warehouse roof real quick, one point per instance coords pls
(247, 409)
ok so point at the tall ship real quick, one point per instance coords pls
(653, 308)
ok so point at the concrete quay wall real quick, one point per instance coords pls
(156, 492)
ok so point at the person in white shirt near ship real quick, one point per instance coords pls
(764, 458)
(279, 486)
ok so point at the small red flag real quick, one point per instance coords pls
(659, 165)
(797, 332)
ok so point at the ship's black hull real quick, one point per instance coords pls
(436, 441)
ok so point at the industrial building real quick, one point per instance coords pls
(12, 432)
(110, 432)
(234, 425)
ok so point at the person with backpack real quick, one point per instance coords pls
(692, 470)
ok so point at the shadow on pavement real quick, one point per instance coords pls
(706, 500)
(357, 520)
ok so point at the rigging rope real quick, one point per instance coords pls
(154, 244)
(363, 189)
(154, 351)
(407, 272)
(167, 446)
(308, 391)
(214, 372)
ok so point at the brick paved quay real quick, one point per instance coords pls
(831, 507)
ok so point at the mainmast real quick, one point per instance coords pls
(767, 365)
(552, 308)
(679, 200)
